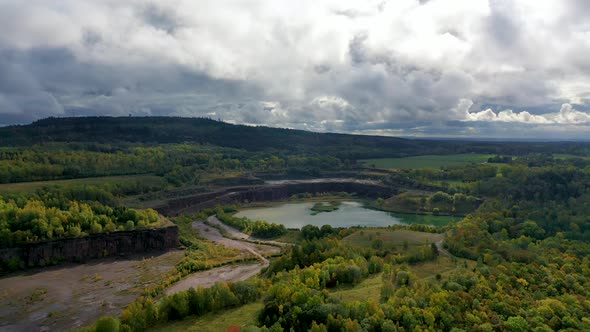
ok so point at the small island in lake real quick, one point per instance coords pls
(324, 207)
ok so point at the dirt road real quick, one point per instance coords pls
(441, 249)
(234, 233)
(230, 273)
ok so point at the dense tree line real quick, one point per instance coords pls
(437, 203)
(256, 228)
(62, 213)
(179, 164)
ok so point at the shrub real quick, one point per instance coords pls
(108, 324)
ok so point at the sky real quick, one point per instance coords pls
(438, 68)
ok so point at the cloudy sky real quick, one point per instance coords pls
(464, 68)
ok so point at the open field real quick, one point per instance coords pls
(241, 316)
(427, 219)
(443, 265)
(428, 161)
(368, 289)
(292, 236)
(29, 187)
(568, 156)
(55, 299)
(393, 239)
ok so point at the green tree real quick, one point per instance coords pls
(108, 324)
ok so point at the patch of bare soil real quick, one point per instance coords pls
(234, 233)
(55, 299)
(213, 234)
(228, 273)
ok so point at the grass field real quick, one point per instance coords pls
(292, 236)
(241, 316)
(426, 219)
(391, 238)
(28, 187)
(443, 265)
(567, 156)
(428, 161)
(368, 289)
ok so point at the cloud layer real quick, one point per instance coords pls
(427, 68)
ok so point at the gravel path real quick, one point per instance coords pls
(213, 234)
(229, 273)
(441, 249)
(239, 235)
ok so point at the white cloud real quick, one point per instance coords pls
(329, 65)
(567, 115)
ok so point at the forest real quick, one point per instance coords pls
(66, 212)
(517, 260)
(526, 268)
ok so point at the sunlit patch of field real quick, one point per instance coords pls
(30, 187)
(442, 265)
(428, 161)
(368, 289)
(241, 316)
(568, 156)
(392, 239)
(292, 236)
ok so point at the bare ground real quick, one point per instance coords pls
(441, 250)
(230, 273)
(54, 299)
(213, 234)
(234, 233)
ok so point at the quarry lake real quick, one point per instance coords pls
(349, 214)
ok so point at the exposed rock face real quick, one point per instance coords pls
(272, 192)
(91, 246)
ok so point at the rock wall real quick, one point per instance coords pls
(199, 202)
(89, 247)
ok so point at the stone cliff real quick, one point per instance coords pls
(272, 192)
(92, 246)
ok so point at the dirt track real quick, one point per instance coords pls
(441, 250)
(234, 233)
(230, 273)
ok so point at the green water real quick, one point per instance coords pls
(349, 214)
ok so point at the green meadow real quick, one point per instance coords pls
(428, 161)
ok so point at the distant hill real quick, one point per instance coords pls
(158, 130)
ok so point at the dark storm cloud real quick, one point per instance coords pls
(34, 78)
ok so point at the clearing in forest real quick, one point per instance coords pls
(428, 161)
(242, 316)
(31, 187)
(391, 239)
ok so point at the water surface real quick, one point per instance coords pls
(350, 213)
